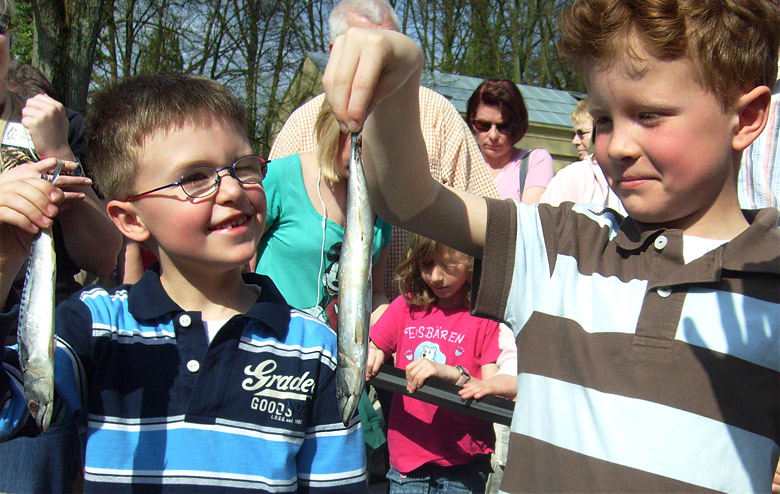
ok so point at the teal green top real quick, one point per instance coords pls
(291, 251)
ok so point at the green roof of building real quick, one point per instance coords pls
(545, 106)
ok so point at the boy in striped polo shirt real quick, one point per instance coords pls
(196, 378)
(648, 345)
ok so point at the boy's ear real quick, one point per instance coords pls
(752, 111)
(125, 216)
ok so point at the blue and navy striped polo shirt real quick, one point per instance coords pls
(254, 409)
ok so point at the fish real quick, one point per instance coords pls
(354, 306)
(36, 326)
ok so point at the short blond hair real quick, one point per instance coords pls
(375, 11)
(581, 114)
(122, 116)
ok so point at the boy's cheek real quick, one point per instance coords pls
(260, 204)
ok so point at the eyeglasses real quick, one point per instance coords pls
(485, 126)
(202, 181)
(580, 133)
(5, 23)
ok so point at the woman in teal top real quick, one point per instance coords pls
(307, 197)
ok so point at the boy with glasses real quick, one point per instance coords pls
(197, 378)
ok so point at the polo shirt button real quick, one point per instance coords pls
(185, 320)
(664, 291)
(193, 366)
(660, 242)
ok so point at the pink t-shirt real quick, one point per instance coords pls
(418, 432)
(541, 170)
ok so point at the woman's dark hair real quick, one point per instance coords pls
(504, 95)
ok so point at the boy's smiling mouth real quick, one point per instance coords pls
(231, 223)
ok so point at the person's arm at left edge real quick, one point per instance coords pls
(91, 239)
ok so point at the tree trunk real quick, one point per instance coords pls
(66, 33)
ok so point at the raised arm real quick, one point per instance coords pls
(91, 239)
(377, 73)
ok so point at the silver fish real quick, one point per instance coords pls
(36, 326)
(354, 289)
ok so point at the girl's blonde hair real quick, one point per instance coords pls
(408, 276)
(326, 128)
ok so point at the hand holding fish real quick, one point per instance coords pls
(364, 67)
(28, 204)
(69, 184)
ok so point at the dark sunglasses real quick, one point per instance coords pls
(485, 126)
(5, 23)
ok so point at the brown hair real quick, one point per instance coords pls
(124, 115)
(326, 128)
(732, 44)
(27, 81)
(408, 276)
(504, 95)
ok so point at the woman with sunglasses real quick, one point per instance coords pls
(497, 116)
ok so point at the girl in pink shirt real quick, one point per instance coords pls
(432, 334)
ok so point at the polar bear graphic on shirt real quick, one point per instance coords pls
(431, 351)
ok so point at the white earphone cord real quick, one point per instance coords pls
(322, 247)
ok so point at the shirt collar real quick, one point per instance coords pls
(757, 249)
(147, 299)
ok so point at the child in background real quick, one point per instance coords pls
(648, 345)
(196, 378)
(432, 334)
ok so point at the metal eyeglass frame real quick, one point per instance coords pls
(217, 179)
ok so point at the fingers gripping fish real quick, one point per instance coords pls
(36, 326)
(354, 289)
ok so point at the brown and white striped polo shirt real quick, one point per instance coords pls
(637, 372)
